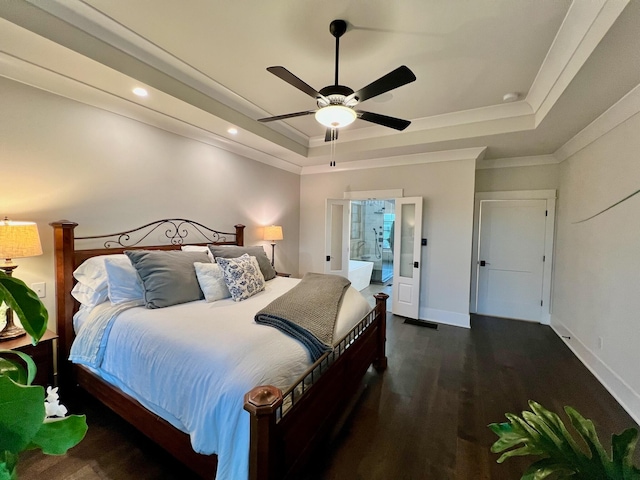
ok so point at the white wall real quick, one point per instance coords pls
(65, 160)
(597, 270)
(535, 177)
(448, 191)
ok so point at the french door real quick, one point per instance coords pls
(407, 262)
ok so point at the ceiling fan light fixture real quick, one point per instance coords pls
(336, 116)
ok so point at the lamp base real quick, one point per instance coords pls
(11, 331)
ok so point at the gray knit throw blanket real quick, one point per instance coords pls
(308, 311)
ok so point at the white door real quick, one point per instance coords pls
(511, 259)
(405, 292)
(337, 223)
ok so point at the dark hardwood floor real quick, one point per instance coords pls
(425, 418)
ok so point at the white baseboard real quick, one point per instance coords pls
(446, 317)
(628, 398)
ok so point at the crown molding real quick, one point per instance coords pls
(475, 153)
(584, 26)
(517, 162)
(619, 112)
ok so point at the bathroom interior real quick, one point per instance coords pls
(371, 246)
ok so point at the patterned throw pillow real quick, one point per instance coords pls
(242, 276)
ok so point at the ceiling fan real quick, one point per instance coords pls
(336, 102)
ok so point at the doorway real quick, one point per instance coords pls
(512, 255)
(345, 238)
(371, 235)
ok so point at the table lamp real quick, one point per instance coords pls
(273, 233)
(17, 240)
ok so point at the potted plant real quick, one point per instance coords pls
(541, 432)
(29, 419)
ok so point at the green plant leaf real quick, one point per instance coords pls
(541, 432)
(622, 447)
(8, 462)
(509, 437)
(599, 463)
(15, 370)
(21, 414)
(26, 305)
(543, 469)
(57, 436)
(556, 423)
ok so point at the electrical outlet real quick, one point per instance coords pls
(40, 288)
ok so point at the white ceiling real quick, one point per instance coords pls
(204, 63)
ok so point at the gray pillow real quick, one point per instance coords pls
(233, 251)
(168, 277)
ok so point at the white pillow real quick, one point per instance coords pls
(198, 248)
(123, 282)
(211, 281)
(87, 295)
(93, 273)
(242, 276)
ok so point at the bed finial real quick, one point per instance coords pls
(262, 403)
(240, 234)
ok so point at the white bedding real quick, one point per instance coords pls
(216, 353)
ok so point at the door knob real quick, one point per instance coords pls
(483, 263)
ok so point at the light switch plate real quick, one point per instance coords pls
(40, 288)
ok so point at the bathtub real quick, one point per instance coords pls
(360, 273)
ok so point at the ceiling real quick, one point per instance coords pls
(204, 64)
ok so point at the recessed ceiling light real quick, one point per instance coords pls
(232, 130)
(141, 92)
(511, 97)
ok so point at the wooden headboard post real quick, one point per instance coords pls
(240, 235)
(63, 243)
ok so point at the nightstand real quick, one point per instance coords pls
(280, 274)
(42, 355)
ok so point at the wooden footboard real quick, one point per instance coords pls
(286, 427)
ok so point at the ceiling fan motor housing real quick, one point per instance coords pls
(336, 95)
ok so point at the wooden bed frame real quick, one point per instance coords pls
(286, 427)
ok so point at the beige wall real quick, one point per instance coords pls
(447, 189)
(597, 272)
(537, 177)
(62, 159)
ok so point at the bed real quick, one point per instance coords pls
(285, 422)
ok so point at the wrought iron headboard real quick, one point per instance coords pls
(176, 231)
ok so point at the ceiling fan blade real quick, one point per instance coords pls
(331, 134)
(291, 79)
(391, 122)
(287, 115)
(397, 78)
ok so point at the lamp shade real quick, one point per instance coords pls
(336, 116)
(19, 239)
(272, 233)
